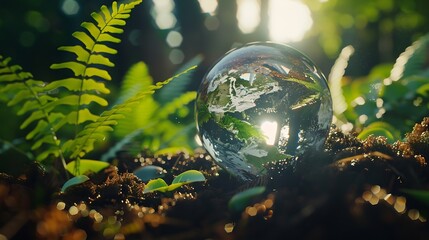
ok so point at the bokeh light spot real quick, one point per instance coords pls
(174, 39)
(289, 20)
(248, 15)
(70, 7)
(208, 6)
(176, 56)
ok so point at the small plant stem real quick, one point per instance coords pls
(12, 146)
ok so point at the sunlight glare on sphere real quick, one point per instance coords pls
(260, 103)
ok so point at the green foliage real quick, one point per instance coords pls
(85, 166)
(68, 101)
(49, 112)
(149, 112)
(420, 195)
(186, 177)
(21, 89)
(241, 200)
(176, 88)
(156, 185)
(380, 129)
(96, 131)
(89, 75)
(336, 22)
(390, 100)
(74, 181)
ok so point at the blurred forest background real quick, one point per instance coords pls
(166, 34)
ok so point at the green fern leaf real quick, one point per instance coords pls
(85, 139)
(31, 94)
(85, 39)
(40, 127)
(106, 13)
(44, 140)
(20, 96)
(40, 104)
(101, 48)
(92, 29)
(81, 54)
(81, 116)
(88, 67)
(92, 71)
(51, 151)
(105, 37)
(77, 68)
(75, 85)
(100, 59)
(11, 87)
(85, 99)
(36, 115)
(148, 113)
(177, 88)
(136, 79)
(177, 103)
(99, 19)
(111, 29)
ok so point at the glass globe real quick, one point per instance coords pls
(259, 103)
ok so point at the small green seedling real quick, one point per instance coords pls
(86, 166)
(420, 195)
(241, 200)
(74, 181)
(187, 177)
(380, 129)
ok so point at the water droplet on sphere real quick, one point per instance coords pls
(260, 103)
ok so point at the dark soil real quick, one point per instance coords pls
(353, 190)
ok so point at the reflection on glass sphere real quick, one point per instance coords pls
(260, 103)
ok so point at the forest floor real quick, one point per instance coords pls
(354, 189)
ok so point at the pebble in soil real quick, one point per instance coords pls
(260, 103)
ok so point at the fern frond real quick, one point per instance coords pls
(96, 131)
(94, 39)
(136, 79)
(177, 103)
(87, 83)
(23, 89)
(91, 59)
(177, 88)
(150, 112)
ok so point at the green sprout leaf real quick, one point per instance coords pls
(189, 176)
(74, 181)
(156, 185)
(420, 195)
(380, 129)
(86, 166)
(241, 200)
(186, 177)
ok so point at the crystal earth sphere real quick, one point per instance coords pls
(260, 103)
